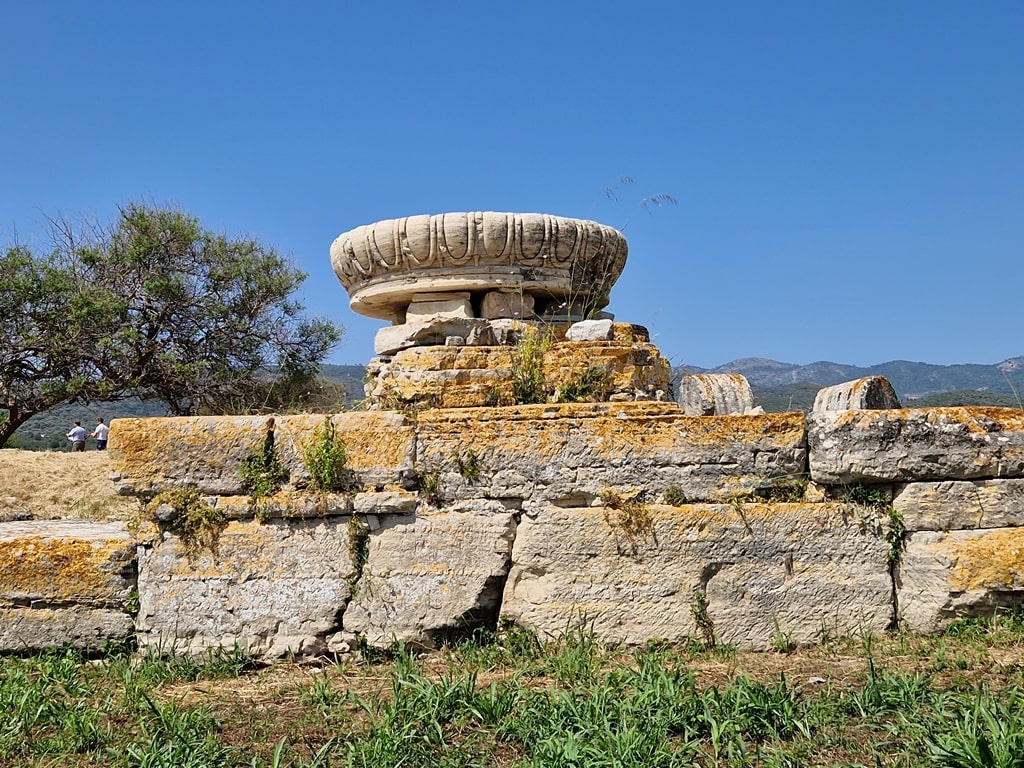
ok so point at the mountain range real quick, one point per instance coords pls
(910, 380)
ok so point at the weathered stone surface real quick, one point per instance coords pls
(64, 581)
(871, 392)
(715, 394)
(765, 570)
(424, 333)
(426, 306)
(385, 503)
(952, 505)
(282, 505)
(273, 588)
(61, 561)
(591, 330)
(80, 626)
(914, 444)
(506, 304)
(432, 574)
(635, 370)
(383, 265)
(467, 377)
(946, 576)
(148, 456)
(567, 454)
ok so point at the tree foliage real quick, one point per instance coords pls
(158, 307)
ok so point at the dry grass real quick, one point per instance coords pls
(46, 485)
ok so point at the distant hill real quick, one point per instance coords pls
(907, 378)
(781, 387)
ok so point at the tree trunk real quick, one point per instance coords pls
(10, 425)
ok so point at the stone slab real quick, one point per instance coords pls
(914, 444)
(432, 574)
(44, 562)
(766, 571)
(37, 629)
(567, 454)
(64, 582)
(946, 576)
(148, 456)
(273, 589)
(392, 339)
(960, 504)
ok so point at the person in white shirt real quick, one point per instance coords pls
(100, 433)
(77, 437)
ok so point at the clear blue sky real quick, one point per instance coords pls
(849, 175)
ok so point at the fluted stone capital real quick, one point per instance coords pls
(553, 259)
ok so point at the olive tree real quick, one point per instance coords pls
(155, 306)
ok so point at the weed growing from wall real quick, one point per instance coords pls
(674, 496)
(430, 487)
(358, 542)
(592, 385)
(528, 383)
(325, 456)
(467, 463)
(788, 490)
(701, 617)
(261, 472)
(631, 516)
(198, 524)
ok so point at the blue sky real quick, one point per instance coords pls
(849, 175)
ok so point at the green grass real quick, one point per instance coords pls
(512, 698)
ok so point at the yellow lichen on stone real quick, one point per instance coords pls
(975, 419)
(606, 428)
(63, 569)
(991, 560)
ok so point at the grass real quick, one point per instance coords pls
(512, 698)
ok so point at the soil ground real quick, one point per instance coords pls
(50, 485)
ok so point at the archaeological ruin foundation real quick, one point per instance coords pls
(525, 457)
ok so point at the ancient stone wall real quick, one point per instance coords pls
(630, 519)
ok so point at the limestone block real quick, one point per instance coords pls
(64, 581)
(591, 330)
(565, 453)
(282, 505)
(958, 504)
(868, 393)
(427, 306)
(634, 369)
(385, 503)
(148, 456)
(714, 394)
(913, 444)
(497, 305)
(467, 377)
(424, 333)
(81, 626)
(946, 576)
(431, 574)
(797, 570)
(273, 588)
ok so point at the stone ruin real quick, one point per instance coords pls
(462, 290)
(608, 505)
